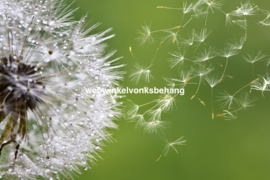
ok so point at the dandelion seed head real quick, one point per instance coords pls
(49, 125)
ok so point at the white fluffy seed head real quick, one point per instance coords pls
(49, 60)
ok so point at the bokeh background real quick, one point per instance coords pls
(216, 149)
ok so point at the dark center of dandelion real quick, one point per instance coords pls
(21, 85)
(21, 88)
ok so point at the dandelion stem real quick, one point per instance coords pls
(147, 103)
(197, 88)
(206, 19)
(156, 53)
(245, 86)
(130, 50)
(213, 115)
(163, 7)
(227, 59)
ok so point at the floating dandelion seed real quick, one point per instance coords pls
(155, 126)
(146, 35)
(201, 72)
(49, 125)
(254, 58)
(266, 21)
(171, 145)
(245, 101)
(207, 54)
(178, 58)
(212, 81)
(262, 84)
(227, 53)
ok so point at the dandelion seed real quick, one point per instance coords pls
(171, 38)
(155, 114)
(254, 58)
(212, 81)
(235, 44)
(171, 145)
(266, 21)
(178, 58)
(227, 52)
(228, 115)
(251, 58)
(146, 35)
(201, 36)
(246, 9)
(187, 8)
(155, 126)
(170, 82)
(240, 23)
(141, 73)
(167, 102)
(245, 101)
(201, 72)
(190, 40)
(226, 99)
(208, 53)
(140, 120)
(262, 84)
(132, 109)
(213, 4)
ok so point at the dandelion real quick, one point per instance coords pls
(245, 101)
(187, 8)
(254, 58)
(155, 113)
(262, 84)
(213, 4)
(190, 40)
(146, 35)
(155, 126)
(237, 44)
(171, 38)
(212, 81)
(227, 52)
(266, 21)
(178, 58)
(132, 109)
(171, 145)
(208, 53)
(170, 82)
(167, 102)
(228, 115)
(201, 72)
(49, 125)
(140, 120)
(201, 36)
(228, 99)
(246, 9)
(141, 73)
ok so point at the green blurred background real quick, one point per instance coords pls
(216, 149)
